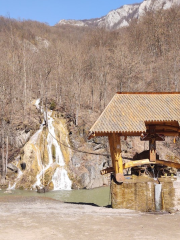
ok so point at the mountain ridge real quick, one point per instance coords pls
(122, 16)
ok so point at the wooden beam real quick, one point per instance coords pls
(107, 170)
(136, 163)
(170, 127)
(171, 123)
(168, 163)
(135, 134)
(131, 164)
(147, 161)
(166, 133)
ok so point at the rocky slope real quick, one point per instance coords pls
(56, 157)
(42, 162)
(122, 16)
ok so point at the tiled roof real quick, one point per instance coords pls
(128, 112)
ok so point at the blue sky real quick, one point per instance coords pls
(52, 11)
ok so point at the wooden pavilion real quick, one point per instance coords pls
(151, 116)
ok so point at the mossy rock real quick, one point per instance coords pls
(53, 149)
(43, 147)
(51, 186)
(52, 105)
(49, 174)
(62, 134)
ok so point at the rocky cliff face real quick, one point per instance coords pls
(42, 162)
(56, 156)
(122, 16)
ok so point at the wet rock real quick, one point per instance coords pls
(42, 190)
(22, 138)
(12, 167)
(47, 178)
(18, 158)
(23, 166)
(34, 157)
(75, 186)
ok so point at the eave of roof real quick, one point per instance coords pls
(129, 112)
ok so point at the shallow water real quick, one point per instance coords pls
(97, 196)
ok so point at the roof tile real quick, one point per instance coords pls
(129, 112)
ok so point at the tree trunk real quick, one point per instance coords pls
(6, 162)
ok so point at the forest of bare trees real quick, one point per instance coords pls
(79, 69)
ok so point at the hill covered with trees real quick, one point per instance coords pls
(77, 70)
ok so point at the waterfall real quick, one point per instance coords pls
(60, 178)
(51, 140)
(37, 103)
(18, 177)
(39, 176)
(55, 164)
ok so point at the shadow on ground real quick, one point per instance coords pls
(88, 204)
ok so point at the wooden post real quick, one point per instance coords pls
(152, 143)
(152, 150)
(115, 149)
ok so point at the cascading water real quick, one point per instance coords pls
(37, 103)
(60, 178)
(50, 169)
(39, 176)
(51, 140)
(18, 177)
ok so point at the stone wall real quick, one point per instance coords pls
(138, 193)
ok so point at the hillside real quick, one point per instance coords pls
(77, 70)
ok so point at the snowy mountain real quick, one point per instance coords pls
(122, 16)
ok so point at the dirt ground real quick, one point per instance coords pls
(42, 218)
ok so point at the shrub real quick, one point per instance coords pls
(52, 105)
